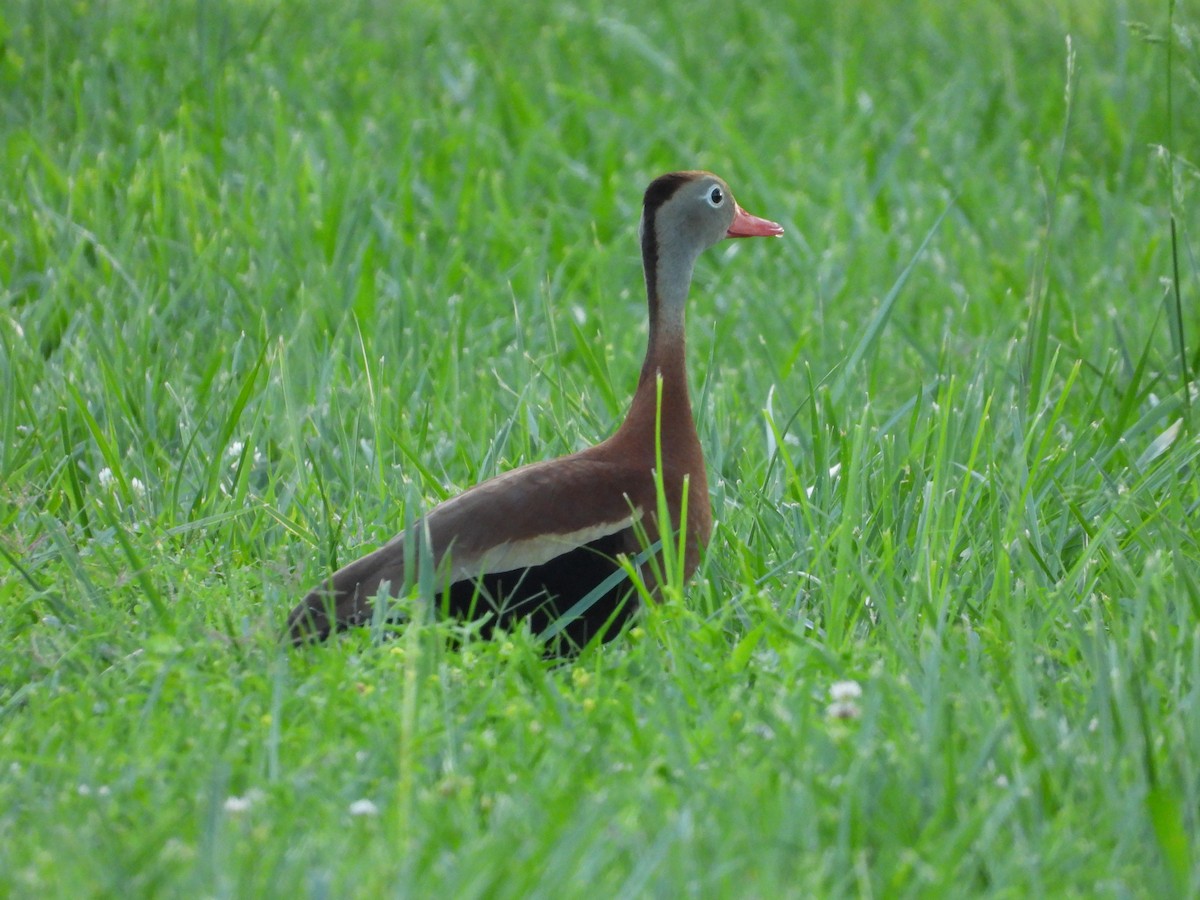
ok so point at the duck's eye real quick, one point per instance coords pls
(716, 196)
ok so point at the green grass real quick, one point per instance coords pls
(275, 277)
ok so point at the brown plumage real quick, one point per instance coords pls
(534, 541)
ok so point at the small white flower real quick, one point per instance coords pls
(243, 803)
(845, 690)
(844, 695)
(135, 485)
(363, 807)
(106, 478)
(234, 450)
(764, 731)
(843, 709)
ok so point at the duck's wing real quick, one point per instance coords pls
(519, 520)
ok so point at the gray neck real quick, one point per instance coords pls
(669, 264)
(668, 268)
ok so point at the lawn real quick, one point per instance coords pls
(275, 277)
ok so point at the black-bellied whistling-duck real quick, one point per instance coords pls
(535, 541)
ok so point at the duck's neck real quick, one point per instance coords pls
(668, 270)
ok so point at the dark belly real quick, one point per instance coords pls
(542, 594)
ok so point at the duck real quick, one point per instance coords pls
(538, 541)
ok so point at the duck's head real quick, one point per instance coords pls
(691, 211)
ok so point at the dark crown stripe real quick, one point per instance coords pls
(660, 191)
(663, 188)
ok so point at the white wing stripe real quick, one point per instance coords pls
(534, 551)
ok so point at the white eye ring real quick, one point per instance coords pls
(715, 196)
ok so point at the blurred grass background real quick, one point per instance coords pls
(276, 275)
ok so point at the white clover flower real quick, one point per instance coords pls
(845, 690)
(363, 807)
(234, 804)
(844, 695)
(843, 709)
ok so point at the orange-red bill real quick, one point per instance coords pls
(746, 225)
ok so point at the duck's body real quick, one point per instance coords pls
(534, 541)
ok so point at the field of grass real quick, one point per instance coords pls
(276, 276)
